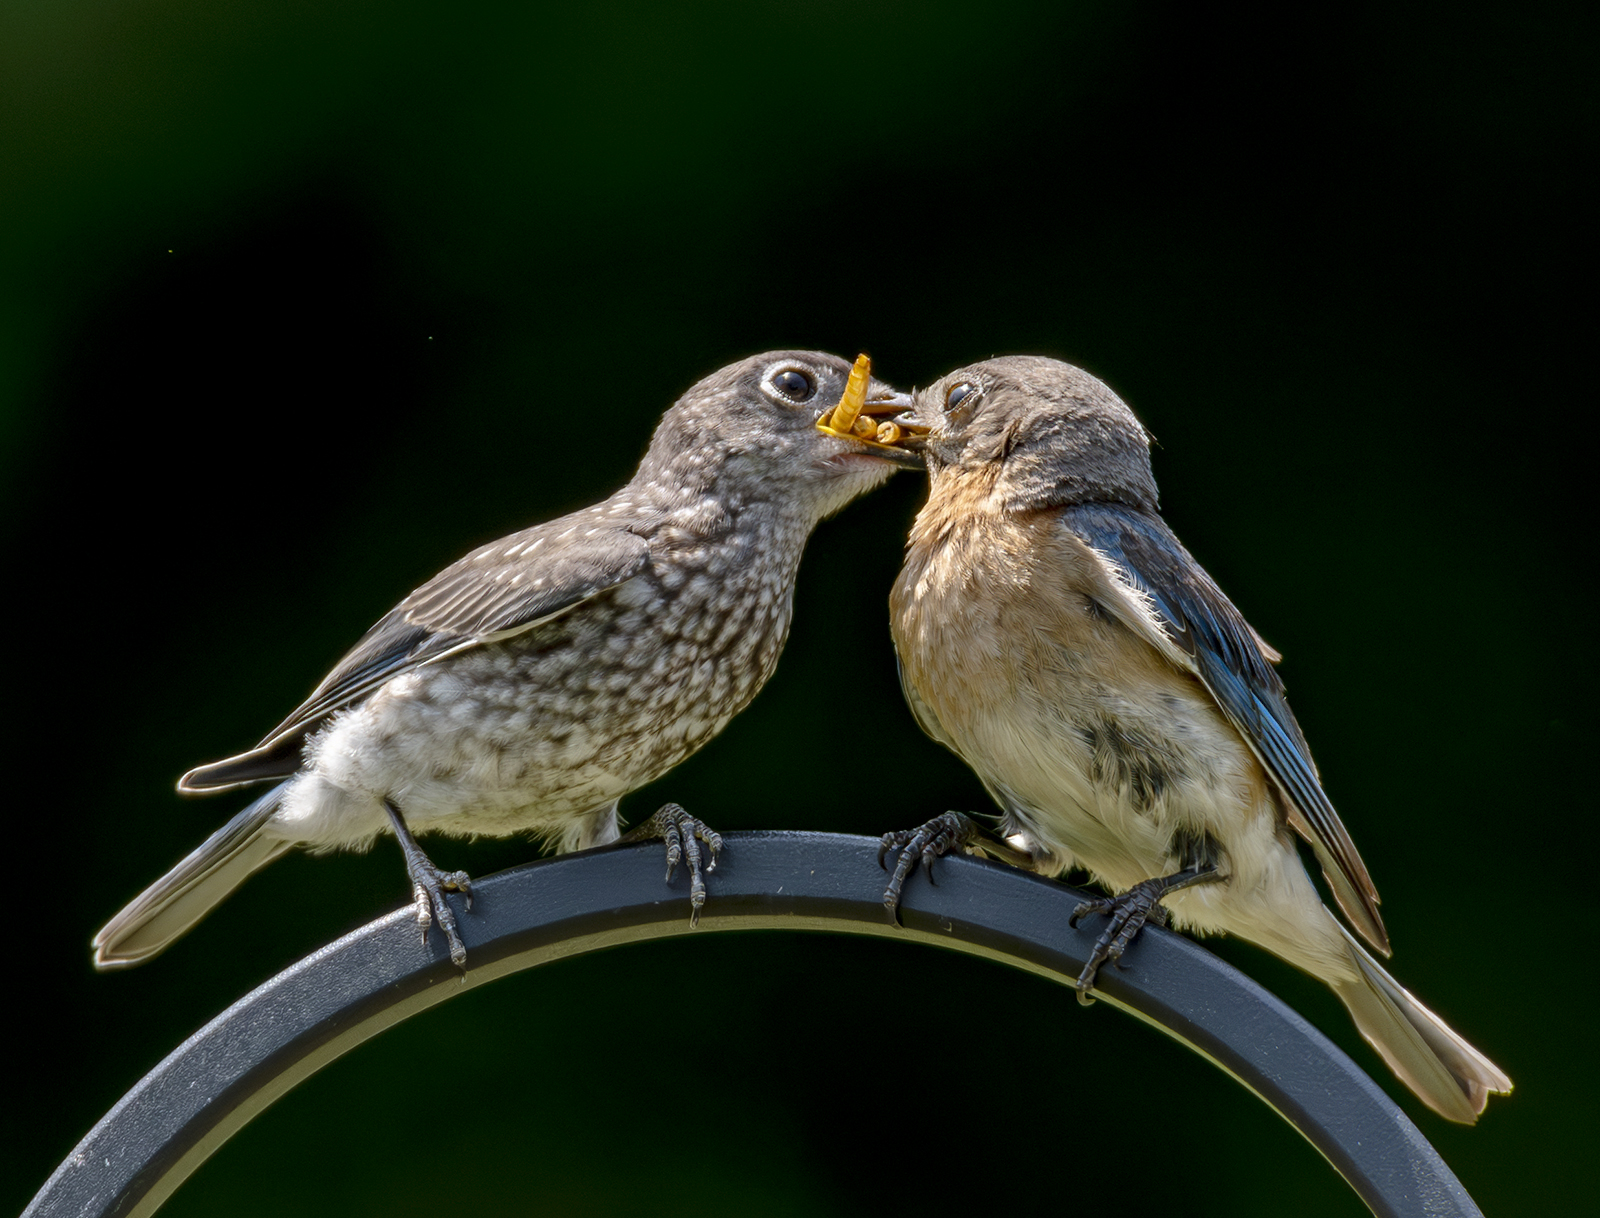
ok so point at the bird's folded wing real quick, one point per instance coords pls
(1233, 662)
(497, 591)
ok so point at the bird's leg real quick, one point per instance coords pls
(1129, 911)
(683, 834)
(935, 839)
(428, 886)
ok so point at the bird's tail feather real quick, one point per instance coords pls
(1449, 1075)
(170, 907)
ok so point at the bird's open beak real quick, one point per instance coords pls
(881, 424)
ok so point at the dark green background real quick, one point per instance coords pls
(298, 302)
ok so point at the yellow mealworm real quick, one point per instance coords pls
(855, 397)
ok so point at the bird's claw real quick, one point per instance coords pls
(428, 886)
(683, 834)
(928, 841)
(1129, 912)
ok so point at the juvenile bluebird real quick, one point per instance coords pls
(532, 685)
(1054, 633)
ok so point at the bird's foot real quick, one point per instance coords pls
(428, 886)
(1129, 911)
(928, 841)
(683, 834)
(428, 889)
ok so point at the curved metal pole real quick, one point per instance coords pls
(354, 988)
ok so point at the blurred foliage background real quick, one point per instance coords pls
(299, 302)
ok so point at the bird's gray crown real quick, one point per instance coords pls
(1058, 434)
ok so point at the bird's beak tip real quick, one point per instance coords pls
(856, 418)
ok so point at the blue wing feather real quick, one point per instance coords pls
(1233, 663)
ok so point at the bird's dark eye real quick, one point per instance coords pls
(795, 385)
(958, 394)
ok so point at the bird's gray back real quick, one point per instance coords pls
(571, 714)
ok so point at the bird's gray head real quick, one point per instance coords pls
(1046, 433)
(748, 434)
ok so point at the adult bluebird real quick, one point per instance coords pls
(530, 686)
(1128, 721)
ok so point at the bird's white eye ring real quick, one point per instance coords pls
(958, 394)
(794, 384)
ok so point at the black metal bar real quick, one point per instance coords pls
(325, 1005)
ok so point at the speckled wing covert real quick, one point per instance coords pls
(1236, 667)
(497, 591)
